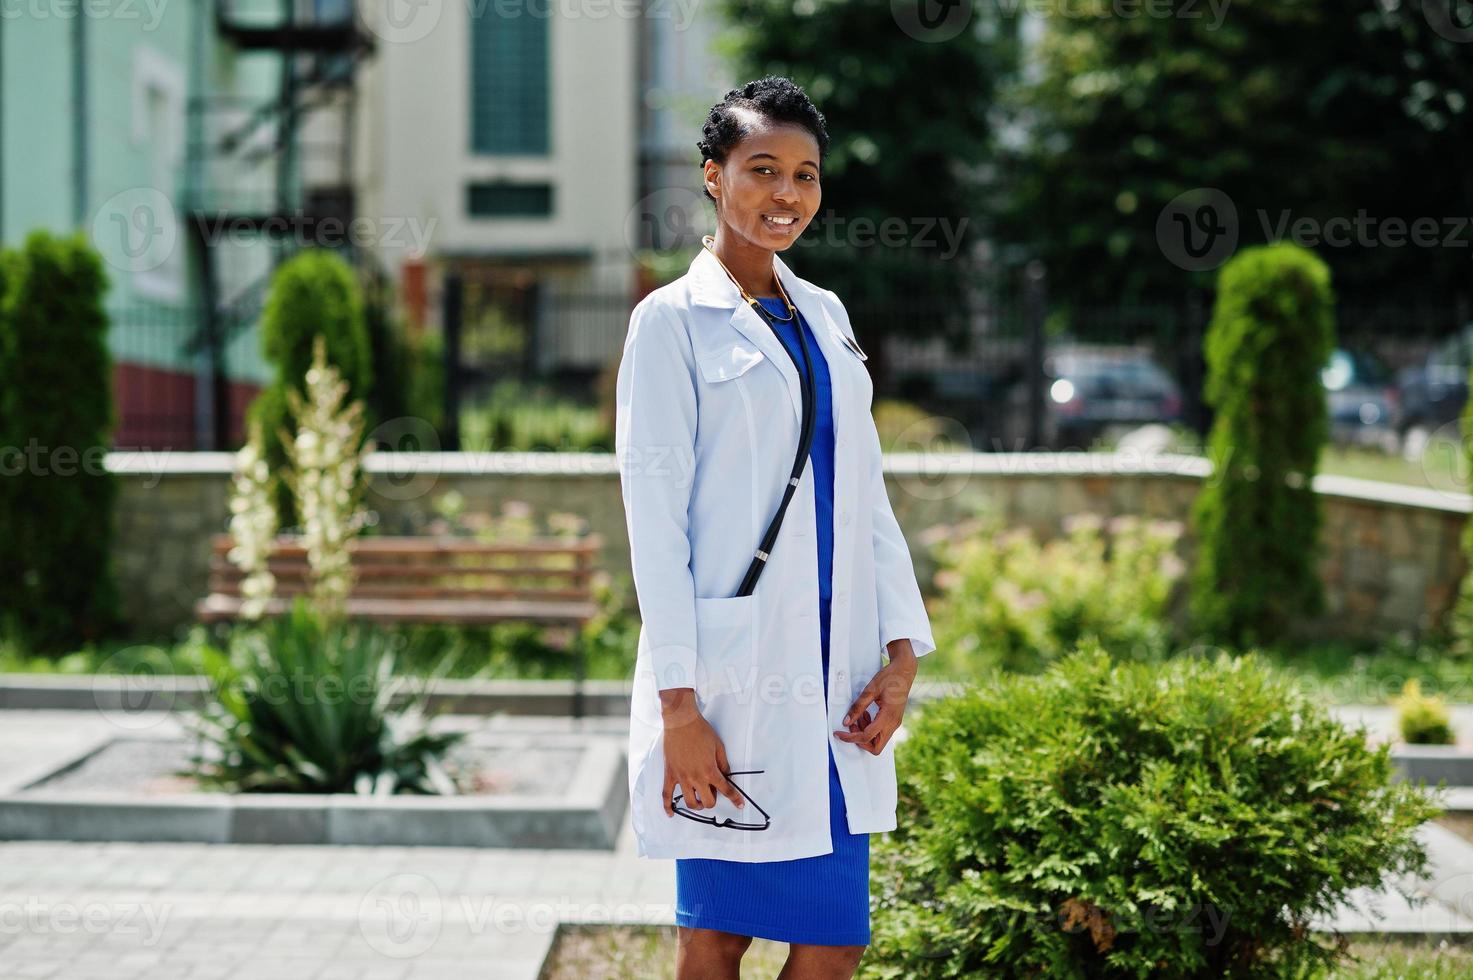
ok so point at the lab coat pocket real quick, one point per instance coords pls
(726, 644)
(732, 361)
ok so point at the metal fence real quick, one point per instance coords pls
(160, 379)
(1024, 374)
(995, 387)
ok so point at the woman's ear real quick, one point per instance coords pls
(713, 180)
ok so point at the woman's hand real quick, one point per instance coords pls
(694, 756)
(888, 690)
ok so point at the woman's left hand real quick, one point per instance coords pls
(888, 690)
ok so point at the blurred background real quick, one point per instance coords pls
(257, 255)
(1024, 210)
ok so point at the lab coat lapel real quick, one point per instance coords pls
(815, 309)
(712, 287)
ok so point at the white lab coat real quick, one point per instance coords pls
(708, 413)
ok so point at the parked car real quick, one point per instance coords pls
(1432, 394)
(1361, 398)
(1090, 392)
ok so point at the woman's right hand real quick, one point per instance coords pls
(694, 756)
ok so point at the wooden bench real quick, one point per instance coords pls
(424, 579)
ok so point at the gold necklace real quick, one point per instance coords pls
(709, 243)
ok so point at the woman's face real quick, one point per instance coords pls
(767, 191)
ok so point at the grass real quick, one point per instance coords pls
(504, 651)
(644, 953)
(1349, 673)
(1441, 466)
(1345, 673)
(1339, 673)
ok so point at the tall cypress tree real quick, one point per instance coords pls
(57, 522)
(1257, 520)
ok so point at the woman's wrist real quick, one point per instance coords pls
(677, 706)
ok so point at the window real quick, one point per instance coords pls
(504, 200)
(509, 78)
(151, 225)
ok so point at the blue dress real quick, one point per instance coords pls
(822, 900)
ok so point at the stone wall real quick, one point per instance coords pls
(1391, 558)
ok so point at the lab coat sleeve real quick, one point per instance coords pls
(902, 610)
(654, 442)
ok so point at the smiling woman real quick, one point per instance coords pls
(777, 678)
(761, 149)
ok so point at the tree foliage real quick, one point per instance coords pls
(1257, 518)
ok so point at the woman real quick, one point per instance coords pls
(760, 752)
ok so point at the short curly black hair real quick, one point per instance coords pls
(777, 99)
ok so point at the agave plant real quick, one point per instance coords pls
(304, 705)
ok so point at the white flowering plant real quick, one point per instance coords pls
(310, 701)
(253, 523)
(326, 457)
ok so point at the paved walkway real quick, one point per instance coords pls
(180, 911)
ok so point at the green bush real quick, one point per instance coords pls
(520, 416)
(1131, 820)
(1460, 622)
(1010, 603)
(1257, 519)
(425, 378)
(906, 427)
(314, 292)
(1423, 719)
(57, 416)
(302, 706)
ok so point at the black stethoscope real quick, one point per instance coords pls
(805, 434)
